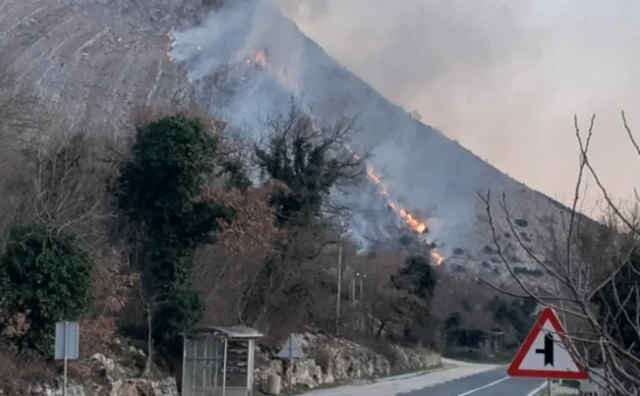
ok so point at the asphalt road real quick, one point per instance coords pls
(490, 383)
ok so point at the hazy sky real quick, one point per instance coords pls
(502, 77)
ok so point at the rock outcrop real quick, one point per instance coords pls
(331, 360)
(107, 378)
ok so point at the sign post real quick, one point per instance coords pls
(546, 353)
(290, 351)
(67, 346)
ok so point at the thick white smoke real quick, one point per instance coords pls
(476, 73)
(424, 171)
(503, 77)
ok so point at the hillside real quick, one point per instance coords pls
(104, 56)
(427, 173)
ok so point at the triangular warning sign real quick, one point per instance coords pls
(291, 349)
(546, 353)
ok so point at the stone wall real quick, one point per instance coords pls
(331, 360)
(107, 378)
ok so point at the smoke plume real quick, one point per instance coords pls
(503, 77)
(246, 59)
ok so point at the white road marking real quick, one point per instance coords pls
(484, 386)
(532, 393)
(537, 390)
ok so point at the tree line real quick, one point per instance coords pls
(142, 228)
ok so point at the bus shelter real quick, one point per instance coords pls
(219, 361)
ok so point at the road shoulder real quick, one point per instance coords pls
(450, 371)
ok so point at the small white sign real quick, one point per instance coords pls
(291, 349)
(67, 340)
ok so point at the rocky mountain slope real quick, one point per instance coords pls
(244, 61)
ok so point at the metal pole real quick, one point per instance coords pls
(360, 297)
(206, 363)
(224, 370)
(196, 363)
(290, 373)
(250, 365)
(216, 363)
(549, 387)
(339, 283)
(184, 365)
(353, 290)
(64, 375)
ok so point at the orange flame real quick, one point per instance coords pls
(418, 226)
(172, 43)
(285, 79)
(260, 58)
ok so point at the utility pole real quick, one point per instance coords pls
(353, 291)
(339, 279)
(360, 278)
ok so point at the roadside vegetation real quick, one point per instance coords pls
(595, 273)
(142, 228)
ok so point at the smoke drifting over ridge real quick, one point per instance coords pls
(251, 55)
(503, 77)
(246, 59)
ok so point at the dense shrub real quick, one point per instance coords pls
(45, 277)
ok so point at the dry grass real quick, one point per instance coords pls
(17, 372)
(143, 114)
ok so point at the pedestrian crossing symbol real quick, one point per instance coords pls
(546, 352)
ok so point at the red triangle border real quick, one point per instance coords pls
(548, 314)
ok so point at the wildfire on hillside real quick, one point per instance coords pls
(420, 227)
(417, 225)
(259, 58)
(172, 43)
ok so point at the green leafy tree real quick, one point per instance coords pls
(306, 161)
(160, 187)
(307, 172)
(418, 280)
(45, 276)
(160, 192)
(419, 277)
(309, 160)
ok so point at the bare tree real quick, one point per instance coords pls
(383, 299)
(114, 287)
(71, 171)
(19, 113)
(151, 303)
(231, 265)
(594, 280)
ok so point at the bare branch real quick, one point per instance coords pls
(596, 272)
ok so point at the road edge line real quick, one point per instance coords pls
(484, 386)
(538, 389)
